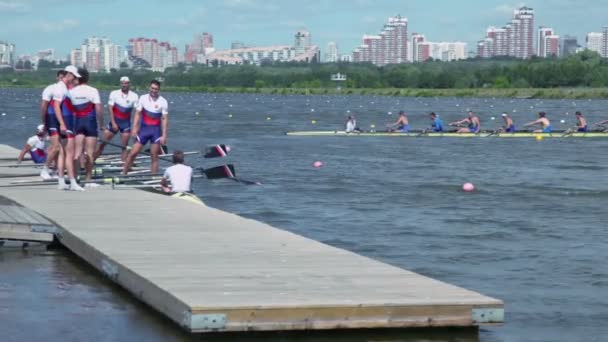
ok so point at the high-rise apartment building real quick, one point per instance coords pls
(98, 54)
(159, 55)
(417, 39)
(515, 39)
(444, 51)
(552, 46)
(605, 42)
(201, 44)
(543, 32)
(547, 43)
(594, 41)
(389, 47)
(301, 51)
(332, 56)
(7, 54)
(569, 46)
(302, 41)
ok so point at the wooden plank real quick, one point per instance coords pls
(6, 216)
(23, 235)
(18, 215)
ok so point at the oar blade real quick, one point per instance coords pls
(217, 151)
(224, 171)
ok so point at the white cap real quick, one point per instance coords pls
(124, 79)
(503, 114)
(40, 128)
(72, 70)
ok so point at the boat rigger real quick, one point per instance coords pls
(555, 134)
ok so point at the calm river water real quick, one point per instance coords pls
(534, 234)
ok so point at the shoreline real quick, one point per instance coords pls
(517, 93)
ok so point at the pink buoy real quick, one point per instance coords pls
(468, 187)
(317, 164)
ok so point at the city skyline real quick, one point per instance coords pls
(270, 22)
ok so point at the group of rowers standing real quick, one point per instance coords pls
(72, 116)
(472, 124)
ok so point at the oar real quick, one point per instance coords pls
(226, 171)
(567, 132)
(22, 165)
(216, 151)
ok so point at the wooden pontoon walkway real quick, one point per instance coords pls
(209, 270)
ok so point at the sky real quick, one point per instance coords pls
(33, 25)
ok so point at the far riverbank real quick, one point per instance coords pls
(540, 93)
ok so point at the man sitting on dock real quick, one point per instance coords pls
(177, 178)
(544, 123)
(35, 146)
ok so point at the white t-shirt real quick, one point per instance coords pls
(35, 143)
(84, 94)
(84, 98)
(160, 106)
(60, 91)
(124, 102)
(47, 93)
(180, 176)
(351, 125)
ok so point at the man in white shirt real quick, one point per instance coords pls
(88, 114)
(120, 105)
(351, 125)
(65, 122)
(177, 178)
(150, 124)
(51, 126)
(35, 146)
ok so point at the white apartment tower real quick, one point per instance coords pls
(594, 41)
(332, 55)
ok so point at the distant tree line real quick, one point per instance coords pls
(586, 69)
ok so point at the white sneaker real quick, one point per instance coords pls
(45, 174)
(61, 184)
(75, 187)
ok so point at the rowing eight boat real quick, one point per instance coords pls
(556, 134)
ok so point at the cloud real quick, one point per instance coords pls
(14, 7)
(250, 5)
(507, 9)
(57, 26)
(368, 19)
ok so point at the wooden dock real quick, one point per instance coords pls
(208, 270)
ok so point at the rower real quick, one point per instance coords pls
(120, 106)
(35, 146)
(150, 124)
(543, 122)
(436, 123)
(472, 121)
(509, 126)
(88, 113)
(351, 125)
(402, 124)
(581, 122)
(177, 178)
(47, 112)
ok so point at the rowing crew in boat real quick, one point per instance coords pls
(473, 124)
